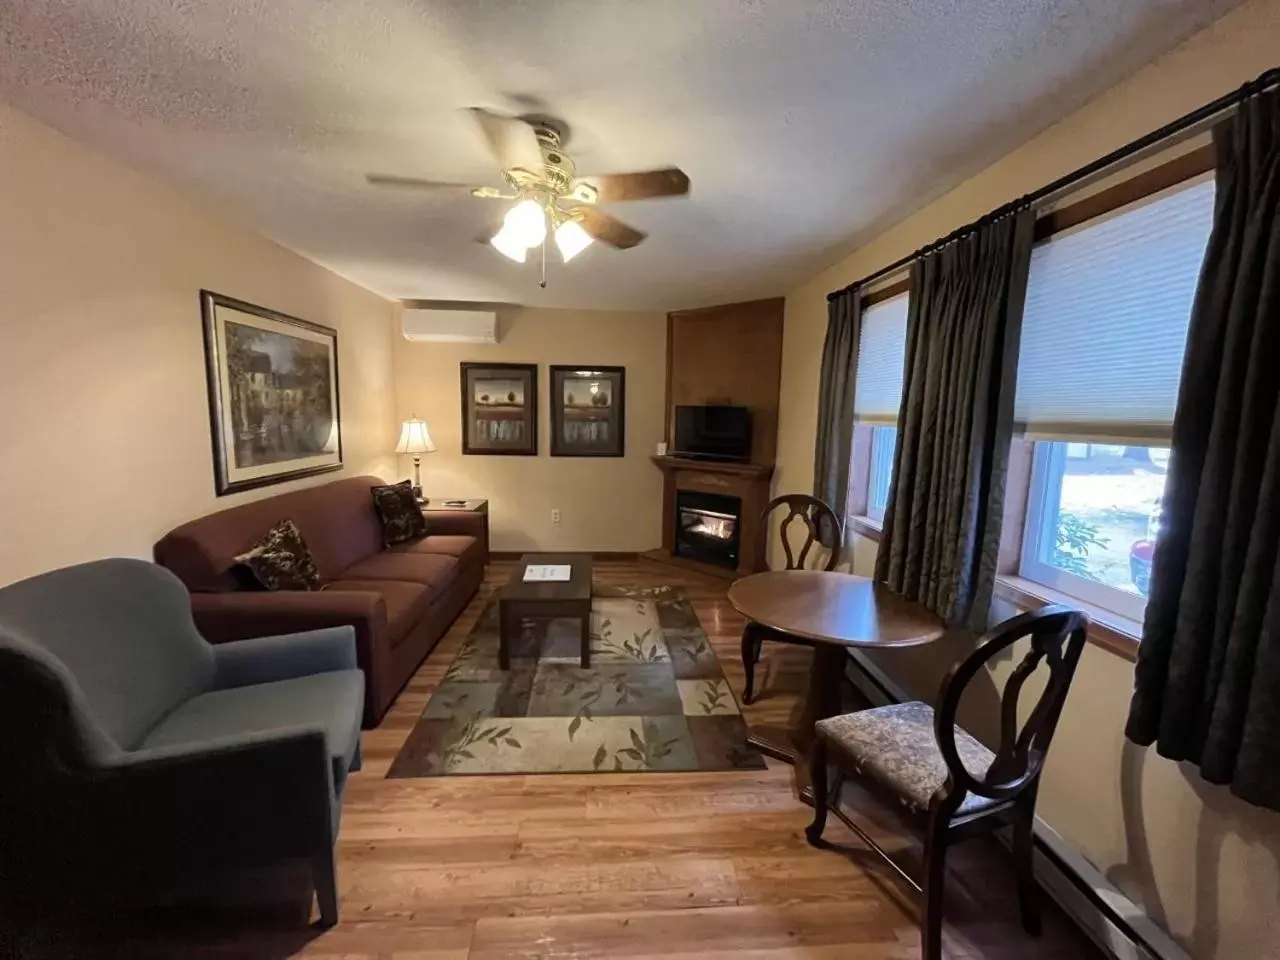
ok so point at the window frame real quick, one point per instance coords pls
(1048, 467)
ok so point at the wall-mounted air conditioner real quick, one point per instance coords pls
(449, 326)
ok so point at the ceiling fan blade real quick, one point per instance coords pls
(617, 187)
(600, 226)
(512, 142)
(414, 183)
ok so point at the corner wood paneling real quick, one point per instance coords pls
(729, 354)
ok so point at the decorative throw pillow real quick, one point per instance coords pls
(281, 560)
(401, 517)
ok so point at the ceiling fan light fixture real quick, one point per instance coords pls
(571, 239)
(508, 244)
(526, 223)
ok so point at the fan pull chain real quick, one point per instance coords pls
(543, 282)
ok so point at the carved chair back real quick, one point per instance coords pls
(1057, 636)
(810, 511)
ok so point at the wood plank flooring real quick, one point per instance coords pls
(704, 865)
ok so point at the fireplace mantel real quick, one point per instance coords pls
(747, 481)
(754, 471)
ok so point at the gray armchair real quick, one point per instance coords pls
(135, 753)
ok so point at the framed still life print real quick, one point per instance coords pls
(588, 411)
(500, 408)
(273, 395)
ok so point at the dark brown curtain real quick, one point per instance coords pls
(835, 407)
(1208, 674)
(946, 501)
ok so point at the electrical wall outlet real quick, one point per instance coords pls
(555, 516)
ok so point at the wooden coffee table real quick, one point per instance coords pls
(567, 598)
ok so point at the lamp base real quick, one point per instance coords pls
(417, 481)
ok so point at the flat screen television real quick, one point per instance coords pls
(715, 432)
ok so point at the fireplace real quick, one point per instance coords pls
(708, 527)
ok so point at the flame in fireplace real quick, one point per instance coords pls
(709, 524)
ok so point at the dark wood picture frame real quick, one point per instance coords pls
(473, 445)
(230, 476)
(612, 412)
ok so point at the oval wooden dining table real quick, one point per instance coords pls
(832, 613)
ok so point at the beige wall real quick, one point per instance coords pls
(104, 423)
(604, 503)
(1203, 865)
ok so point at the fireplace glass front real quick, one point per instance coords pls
(707, 526)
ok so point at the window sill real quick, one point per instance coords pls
(866, 527)
(1110, 631)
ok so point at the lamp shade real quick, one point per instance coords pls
(571, 239)
(507, 244)
(415, 438)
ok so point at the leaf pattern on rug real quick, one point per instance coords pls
(715, 696)
(643, 753)
(475, 732)
(467, 656)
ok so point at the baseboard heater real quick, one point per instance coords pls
(1113, 921)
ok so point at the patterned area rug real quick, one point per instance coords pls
(654, 698)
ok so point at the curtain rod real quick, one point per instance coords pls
(1269, 79)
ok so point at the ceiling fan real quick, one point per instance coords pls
(550, 195)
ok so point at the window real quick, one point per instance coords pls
(882, 352)
(1105, 322)
(882, 348)
(883, 442)
(1092, 521)
(1104, 331)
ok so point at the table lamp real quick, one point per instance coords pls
(415, 440)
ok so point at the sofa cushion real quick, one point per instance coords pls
(406, 602)
(434, 571)
(332, 701)
(399, 513)
(464, 549)
(281, 560)
(336, 519)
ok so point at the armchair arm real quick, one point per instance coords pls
(233, 800)
(240, 663)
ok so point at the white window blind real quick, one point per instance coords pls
(1106, 318)
(882, 347)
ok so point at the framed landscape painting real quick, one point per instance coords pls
(273, 395)
(500, 408)
(588, 411)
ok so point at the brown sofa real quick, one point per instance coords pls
(400, 599)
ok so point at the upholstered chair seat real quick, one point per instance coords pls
(895, 747)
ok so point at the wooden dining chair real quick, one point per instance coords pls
(811, 512)
(936, 770)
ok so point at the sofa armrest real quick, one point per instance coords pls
(221, 617)
(467, 523)
(240, 616)
(240, 663)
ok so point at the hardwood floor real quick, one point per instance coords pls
(613, 865)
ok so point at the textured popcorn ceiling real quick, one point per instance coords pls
(802, 123)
